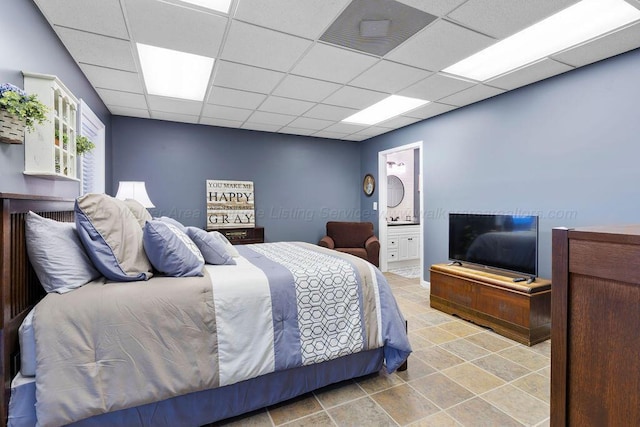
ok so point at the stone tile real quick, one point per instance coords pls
(379, 381)
(435, 317)
(259, 418)
(441, 390)
(525, 357)
(438, 357)
(501, 367)
(461, 328)
(479, 413)
(295, 408)
(545, 423)
(545, 372)
(473, 378)
(465, 349)
(518, 404)
(415, 323)
(415, 369)
(418, 341)
(490, 341)
(543, 348)
(337, 394)
(436, 335)
(404, 404)
(317, 419)
(536, 385)
(439, 419)
(361, 412)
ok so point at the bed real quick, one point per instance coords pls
(186, 367)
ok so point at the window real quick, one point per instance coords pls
(92, 165)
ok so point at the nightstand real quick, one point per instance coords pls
(243, 236)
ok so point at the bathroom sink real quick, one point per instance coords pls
(402, 223)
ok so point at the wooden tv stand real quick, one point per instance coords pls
(519, 311)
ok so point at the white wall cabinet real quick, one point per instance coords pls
(403, 243)
(50, 150)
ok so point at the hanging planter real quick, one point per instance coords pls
(11, 128)
(17, 112)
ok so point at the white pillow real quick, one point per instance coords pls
(27, 346)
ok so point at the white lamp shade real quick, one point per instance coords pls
(135, 190)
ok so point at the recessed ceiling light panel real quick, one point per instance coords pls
(574, 25)
(173, 73)
(218, 5)
(389, 107)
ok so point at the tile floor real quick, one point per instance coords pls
(459, 375)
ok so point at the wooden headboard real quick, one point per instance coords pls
(20, 289)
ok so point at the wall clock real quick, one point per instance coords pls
(369, 184)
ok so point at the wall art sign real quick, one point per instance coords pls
(230, 204)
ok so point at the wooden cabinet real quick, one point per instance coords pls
(50, 150)
(403, 243)
(519, 311)
(243, 236)
(595, 353)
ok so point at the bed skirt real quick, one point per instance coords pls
(208, 406)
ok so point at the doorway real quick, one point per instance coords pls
(400, 220)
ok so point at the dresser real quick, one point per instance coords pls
(595, 317)
(243, 236)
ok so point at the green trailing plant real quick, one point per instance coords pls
(16, 102)
(84, 145)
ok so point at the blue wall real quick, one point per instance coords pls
(27, 43)
(300, 182)
(565, 148)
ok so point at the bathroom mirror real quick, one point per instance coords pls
(395, 191)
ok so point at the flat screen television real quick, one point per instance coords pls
(506, 242)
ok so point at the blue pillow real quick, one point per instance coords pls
(172, 221)
(171, 251)
(213, 249)
(112, 238)
(57, 255)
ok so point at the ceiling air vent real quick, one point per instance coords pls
(376, 26)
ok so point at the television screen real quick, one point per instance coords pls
(507, 242)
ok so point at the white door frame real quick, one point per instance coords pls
(382, 204)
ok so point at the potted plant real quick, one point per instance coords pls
(83, 145)
(17, 111)
(57, 137)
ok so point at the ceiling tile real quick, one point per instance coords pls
(226, 113)
(172, 105)
(309, 123)
(532, 73)
(398, 122)
(301, 18)
(430, 110)
(389, 77)
(104, 17)
(304, 88)
(297, 131)
(244, 77)
(499, 18)
(267, 49)
(355, 137)
(235, 98)
(372, 131)
(122, 99)
(435, 7)
(471, 95)
(108, 78)
(220, 122)
(331, 135)
(435, 87)
(129, 112)
(346, 128)
(604, 47)
(261, 127)
(294, 107)
(334, 64)
(439, 45)
(99, 50)
(355, 97)
(174, 117)
(169, 26)
(270, 118)
(330, 112)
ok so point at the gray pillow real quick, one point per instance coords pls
(213, 249)
(230, 249)
(171, 251)
(172, 221)
(112, 237)
(27, 340)
(140, 212)
(57, 255)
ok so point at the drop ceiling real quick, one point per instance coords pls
(274, 72)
